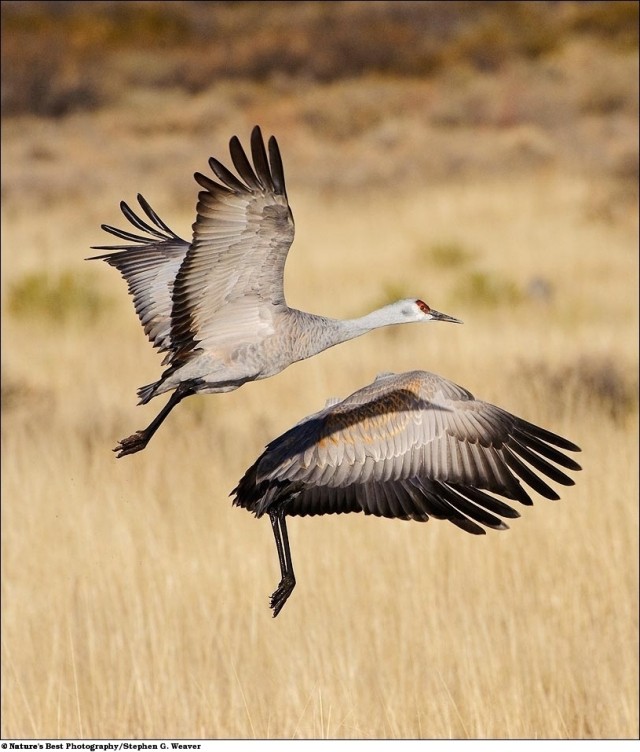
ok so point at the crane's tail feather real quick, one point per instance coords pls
(147, 392)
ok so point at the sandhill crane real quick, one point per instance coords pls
(216, 305)
(410, 445)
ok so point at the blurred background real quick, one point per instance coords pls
(480, 155)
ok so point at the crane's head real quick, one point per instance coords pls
(414, 309)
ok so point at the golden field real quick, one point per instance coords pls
(135, 597)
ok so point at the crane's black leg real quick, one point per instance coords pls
(139, 440)
(288, 581)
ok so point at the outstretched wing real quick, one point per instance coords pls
(149, 264)
(241, 238)
(409, 446)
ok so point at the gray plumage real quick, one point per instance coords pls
(216, 306)
(411, 446)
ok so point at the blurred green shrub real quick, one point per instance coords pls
(60, 300)
(489, 290)
(16, 393)
(447, 255)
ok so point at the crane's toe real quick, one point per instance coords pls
(282, 592)
(132, 444)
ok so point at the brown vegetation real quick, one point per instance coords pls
(480, 155)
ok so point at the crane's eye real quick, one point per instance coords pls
(423, 306)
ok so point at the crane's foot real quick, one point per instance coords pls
(132, 444)
(282, 592)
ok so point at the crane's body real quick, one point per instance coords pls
(216, 305)
(268, 345)
(409, 446)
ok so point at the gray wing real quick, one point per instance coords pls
(409, 446)
(241, 239)
(149, 264)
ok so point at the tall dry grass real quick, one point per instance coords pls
(135, 598)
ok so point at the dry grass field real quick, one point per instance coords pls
(135, 598)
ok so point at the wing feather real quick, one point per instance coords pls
(242, 165)
(259, 156)
(540, 464)
(227, 177)
(149, 267)
(241, 238)
(409, 447)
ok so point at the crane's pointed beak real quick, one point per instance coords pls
(437, 316)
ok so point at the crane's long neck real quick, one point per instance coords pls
(351, 328)
(317, 333)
